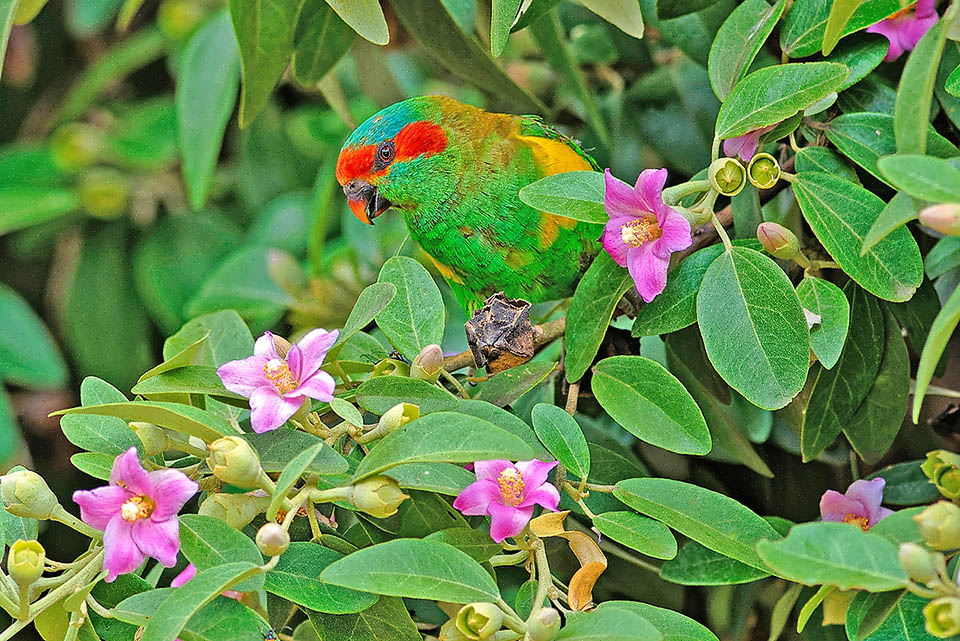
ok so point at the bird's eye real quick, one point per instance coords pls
(385, 153)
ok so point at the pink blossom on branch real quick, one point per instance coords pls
(859, 505)
(905, 28)
(508, 493)
(137, 512)
(643, 231)
(277, 387)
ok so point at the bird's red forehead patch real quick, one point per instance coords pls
(416, 139)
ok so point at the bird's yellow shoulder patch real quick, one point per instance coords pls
(554, 156)
(446, 271)
(550, 228)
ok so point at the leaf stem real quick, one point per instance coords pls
(544, 578)
(673, 195)
(721, 232)
(62, 516)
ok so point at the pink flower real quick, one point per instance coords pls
(508, 493)
(642, 231)
(859, 505)
(277, 387)
(745, 145)
(905, 28)
(137, 513)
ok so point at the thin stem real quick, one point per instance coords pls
(450, 378)
(511, 618)
(312, 520)
(823, 264)
(62, 516)
(715, 149)
(934, 390)
(789, 177)
(73, 628)
(184, 446)
(854, 465)
(673, 195)
(721, 232)
(295, 504)
(99, 609)
(23, 600)
(515, 558)
(594, 487)
(544, 578)
(573, 395)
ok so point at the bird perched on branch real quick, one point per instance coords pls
(454, 172)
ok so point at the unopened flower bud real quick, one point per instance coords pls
(919, 562)
(104, 193)
(284, 270)
(778, 241)
(544, 626)
(450, 632)
(939, 525)
(398, 416)
(236, 510)
(26, 494)
(153, 437)
(25, 562)
(943, 470)
(943, 218)
(75, 146)
(178, 18)
(272, 539)
(727, 176)
(478, 621)
(428, 363)
(942, 617)
(27, 10)
(233, 461)
(378, 496)
(763, 172)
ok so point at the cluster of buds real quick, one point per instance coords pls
(939, 525)
(943, 470)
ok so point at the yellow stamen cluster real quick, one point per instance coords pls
(279, 375)
(511, 487)
(640, 231)
(137, 507)
(861, 521)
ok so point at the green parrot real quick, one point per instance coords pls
(454, 172)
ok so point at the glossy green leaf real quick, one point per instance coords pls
(639, 533)
(771, 94)
(676, 306)
(672, 625)
(414, 568)
(709, 518)
(414, 318)
(442, 478)
(503, 388)
(25, 205)
(899, 211)
(175, 416)
(610, 624)
(365, 17)
(906, 484)
(825, 299)
(322, 39)
(825, 160)
(749, 314)
(899, 527)
(28, 354)
(923, 177)
(379, 394)
(104, 434)
(427, 440)
(624, 14)
(386, 620)
(835, 554)
(943, 257)
(227, 339)
(372, 300)
(803, 30)
(943, 326)
(861, 55)
(278, 447)
(696, 565)
(94, 464)
(738, 41)
(573, 194)
(504, 420)
(563, 437)
(915, 93)
(289, 477)
(841, 214)
(208, 542)
(667, 9)
(502, 16)
(192, 379)
(840, 14)
(650, 403)
(346, 410)
(296, 578)
(477, 544)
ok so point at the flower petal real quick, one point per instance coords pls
(882, 513)
(159, 539)
(314, 347)
(648, 271)
(98, 506)
(618, 198)
(835, 506)
(613, 238)
(490, 470)
(925, 8)
(127, 472)
(507, 521)
(295, 362)
(269, 410)
(546, 496)
(675, 235)
(319, 386)
(244, 375)
(188, 573)
(265, 347)
(120, 554)
(744, 146)
(869, 494)
(474, 499)
(911, 30)
(889, 30)
(649, 188)
(171, 490)
(534, 472)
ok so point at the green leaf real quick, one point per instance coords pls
(898, 619)
(563, 437)
(221, 620)
(899, 211)
(227, 339)
(477, 544)
(28, 354)
(739, 41)
(573, 194)
(825, 299)
(650, 403)
(594, 302)
(414, 568)
(365, 17)
(208, 542)
(899, 527)
(673, 625)
(265, 31)
(867, 611)
(943, 257)
(911, 112)
(25, 205)
(825, 160)
(667, 9)
(504, 420)
(861, 56)
(289, 477)
(610, 624)
(502, 16)
(387, 620)
(207, 82)
(278, 447)
(906, 484)
(840, 14)
(371, 301)
(697, 565)
(503, 388)
(95, 464)
(835, 554)
(709, 518)
(346, 410)
(8, 9)
(414, 318)
(427, 440)
(624, 14)
(296, 578)
(749, 314)
(442, 478)
(803, 30)
(841, 214)
(322, 39)
(943, 326)
(104, 434)
(639, 533)
(380, 393)
(952, 83)
(923, 177)
(771, 94)
(175, 416)
(192, 379)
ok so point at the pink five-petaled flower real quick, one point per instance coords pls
(905, 28)
(859, 505)
(643, 231)
(137, 513)
(745, 145)
(277, 387)
(508, 493)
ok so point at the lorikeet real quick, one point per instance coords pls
(454, 171)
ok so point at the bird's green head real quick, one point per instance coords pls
(395, 156)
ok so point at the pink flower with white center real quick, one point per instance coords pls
(745, 145)
(905, 28)
(508, 493)
(137, 512)
(643, 231)
(859, 505)
(277, 387)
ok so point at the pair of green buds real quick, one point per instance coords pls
(728, 176)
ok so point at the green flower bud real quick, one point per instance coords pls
(763, 172)
(104, 193)
(26, 494)
(378, 496)
(939, 525)
(478, 621)
(75, 146)
(943, 617)
(919, 562)
(27, 10)
(178, 18)
(727, 176)
(153, 437)
(544, 626)
(778, 241)
(272, 539)
(943, 470)
(25, 562)
(428, 363)
(450, 632)
(398, 416)
(236, 510)
(943, 218)
(233, 461)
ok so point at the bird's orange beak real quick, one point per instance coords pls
(365, 200)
